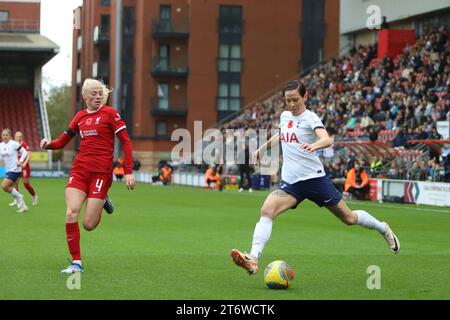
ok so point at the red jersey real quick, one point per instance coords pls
(97, 132)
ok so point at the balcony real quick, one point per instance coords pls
(168, 106)
(101, 36)
(162, 67)
(170, 29)
(20, 26)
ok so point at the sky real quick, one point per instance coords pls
(57, 24)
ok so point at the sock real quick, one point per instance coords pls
(30, 189)
(261, 235)
(368, 221)
(77, 262)
(15, 194)
(73, 240)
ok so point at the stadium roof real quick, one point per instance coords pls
(27, 47)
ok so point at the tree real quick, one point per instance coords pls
(58, 108)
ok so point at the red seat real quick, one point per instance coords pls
(18, 112)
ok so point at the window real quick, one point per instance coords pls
(105, 23)
(161, 129)
(165, 12)
(230, 58)
(79, 42)
(4, 16)
(164, 17)
(229, 98)
(230, 19)
(163, 96)
(230, 12)
(163, 61)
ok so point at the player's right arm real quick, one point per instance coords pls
(257, 155)
(63, 139)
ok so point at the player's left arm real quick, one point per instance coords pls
(121, 133)
(323, 142)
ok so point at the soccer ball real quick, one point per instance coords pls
(278, 275)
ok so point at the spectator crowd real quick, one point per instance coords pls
(359, 95)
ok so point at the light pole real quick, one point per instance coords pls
(118, 66)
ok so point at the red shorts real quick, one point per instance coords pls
(94, 184)
(26, 172)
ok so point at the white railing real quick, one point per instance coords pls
(45, 124)
(44, 115)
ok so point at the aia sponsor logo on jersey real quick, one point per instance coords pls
(289, 137)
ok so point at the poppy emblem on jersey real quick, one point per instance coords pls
(89, 121)
(290, 124)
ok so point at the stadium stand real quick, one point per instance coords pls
(18, 112)
(362, 97)
(23, 53)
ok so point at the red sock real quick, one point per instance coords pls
(30, 189)
(73, 240)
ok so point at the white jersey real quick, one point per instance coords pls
(298, 164)
(10, 153)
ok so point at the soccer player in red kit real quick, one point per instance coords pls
(91, 174)
(26, 170)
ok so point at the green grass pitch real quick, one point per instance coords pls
(174, 243)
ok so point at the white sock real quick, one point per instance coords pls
(261, 235)
(15, 194)
(77, 262)
(368, 221)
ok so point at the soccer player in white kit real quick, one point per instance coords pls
(303, 177)
(9, 150)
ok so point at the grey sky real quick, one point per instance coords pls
(57, 24)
